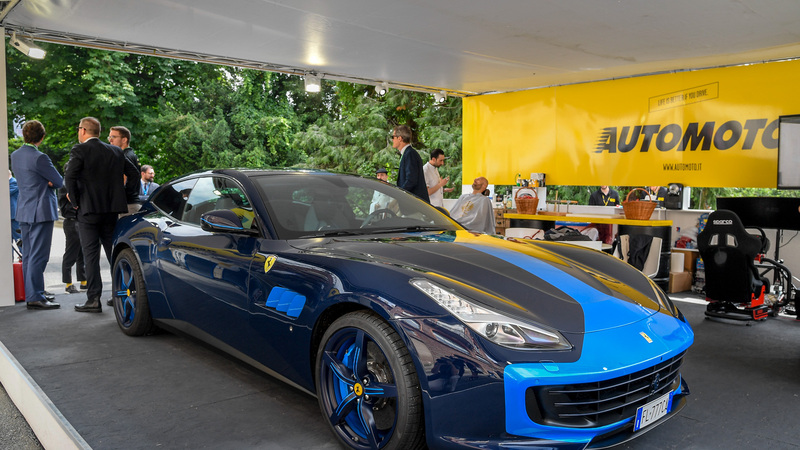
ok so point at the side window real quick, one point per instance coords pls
(232, 197)
(212, 193)
(201, 200)
(172, 199)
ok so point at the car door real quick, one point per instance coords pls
(287, 285)
(205, 274)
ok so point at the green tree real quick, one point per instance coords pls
(234, 119)
(73, 82)
(356, 140)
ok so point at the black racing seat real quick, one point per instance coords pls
(729, 252)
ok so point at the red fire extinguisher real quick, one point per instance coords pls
(19, 281)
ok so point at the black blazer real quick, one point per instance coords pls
(411, 177)
(94, 179)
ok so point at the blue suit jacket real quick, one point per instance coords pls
(13, 190)
(411, 177)
(33, 170)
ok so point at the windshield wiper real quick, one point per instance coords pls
(410, 228)
(331, 233)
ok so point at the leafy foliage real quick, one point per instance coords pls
(357, 139)
(187, 116)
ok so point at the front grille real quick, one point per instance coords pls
(588, 405)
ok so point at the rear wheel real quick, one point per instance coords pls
(367, 387)
(130, 296)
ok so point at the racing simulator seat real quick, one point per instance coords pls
(734, 287)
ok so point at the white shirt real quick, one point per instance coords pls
(432, 178)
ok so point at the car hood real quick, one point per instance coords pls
(567, 287)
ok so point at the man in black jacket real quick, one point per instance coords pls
(73, 255)
(411, 176)
(94, 178)
(121, 137)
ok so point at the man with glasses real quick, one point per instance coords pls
(94, 179)
(147, 185)
(121, 137)
(410, 177)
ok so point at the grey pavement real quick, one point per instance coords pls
(13, 427)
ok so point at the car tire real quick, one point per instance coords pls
(130, 296)
(367, 386)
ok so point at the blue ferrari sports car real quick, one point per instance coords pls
(410, 330)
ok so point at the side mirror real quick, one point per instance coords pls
(224, 221)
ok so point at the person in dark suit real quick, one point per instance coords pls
(411, 176)
(73, 255)
(94, 180)
(121, 137)
(37, 211)
(147, 185)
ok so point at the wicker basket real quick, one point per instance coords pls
(526, 205)
(638, 209)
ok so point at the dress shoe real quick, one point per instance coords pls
(92, 305)
(42, 304)
(110, 302)
(49, 295)
(72, 289)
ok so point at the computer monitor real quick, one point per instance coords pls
(765, 212)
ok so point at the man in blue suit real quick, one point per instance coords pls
(37, 211)
(14, 192)
(411, 177)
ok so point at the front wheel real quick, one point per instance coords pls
(367, 387)
(130, 296)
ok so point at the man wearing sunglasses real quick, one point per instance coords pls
(411, 176)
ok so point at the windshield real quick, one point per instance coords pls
(305, 205)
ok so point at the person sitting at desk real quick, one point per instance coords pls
(604, 196)
(474, 211)
(656, 194)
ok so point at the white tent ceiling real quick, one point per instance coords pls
(463, 47)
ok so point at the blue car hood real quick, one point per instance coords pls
(570, 288)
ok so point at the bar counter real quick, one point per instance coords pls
(656, 228)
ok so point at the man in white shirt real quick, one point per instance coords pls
(474, 211)
(433, 181)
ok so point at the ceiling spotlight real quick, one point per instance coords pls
(440, 97)
(27, 47)
(313, 82)
(381, 89)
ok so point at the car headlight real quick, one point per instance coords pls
(496, 327)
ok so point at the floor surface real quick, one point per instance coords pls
(167, 391)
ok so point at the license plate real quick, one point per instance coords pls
(652, 411)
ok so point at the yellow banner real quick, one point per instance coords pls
(706, 128)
